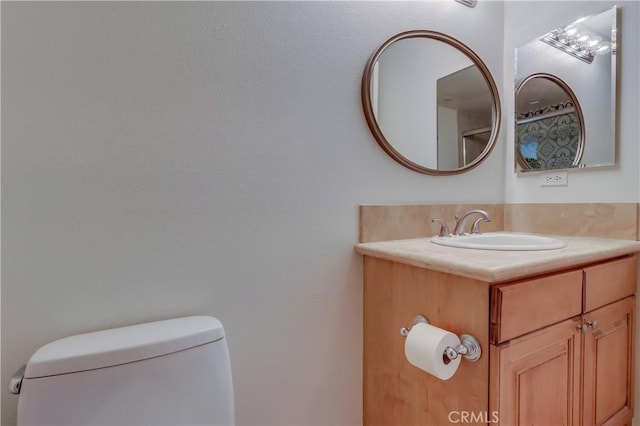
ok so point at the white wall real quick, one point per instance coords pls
(525, 20)
(167, 159)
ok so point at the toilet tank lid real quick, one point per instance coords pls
(122, 345)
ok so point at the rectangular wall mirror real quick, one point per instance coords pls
(565, 100)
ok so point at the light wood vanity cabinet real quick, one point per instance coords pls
(558, 349)
(577, 371)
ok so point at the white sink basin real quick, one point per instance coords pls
(500, 241)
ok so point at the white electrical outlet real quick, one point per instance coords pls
(554, 179)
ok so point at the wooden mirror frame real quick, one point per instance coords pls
(520, 161)
(377, 132)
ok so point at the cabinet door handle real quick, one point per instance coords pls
(593, 324)
(583, 328)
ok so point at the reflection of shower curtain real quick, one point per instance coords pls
(550, 143)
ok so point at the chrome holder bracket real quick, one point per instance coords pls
(469, 348)
(418, 319)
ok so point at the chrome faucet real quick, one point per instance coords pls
(461, 223)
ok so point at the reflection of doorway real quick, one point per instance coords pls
(473, 142)
(464, 112)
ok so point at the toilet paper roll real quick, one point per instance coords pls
(425, 346)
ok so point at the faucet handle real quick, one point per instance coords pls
(475, 229)
(444, 228)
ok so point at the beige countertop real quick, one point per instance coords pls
(497, 265)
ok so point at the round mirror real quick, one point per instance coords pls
(431, 102)
(549, 124)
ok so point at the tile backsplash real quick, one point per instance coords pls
(611, 220)
(395, 222)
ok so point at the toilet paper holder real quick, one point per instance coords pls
(469, 346)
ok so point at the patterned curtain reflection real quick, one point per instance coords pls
(550, 143)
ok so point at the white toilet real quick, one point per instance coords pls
(173, 372)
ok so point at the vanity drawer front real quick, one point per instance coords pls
(525, 306)
(608, 282)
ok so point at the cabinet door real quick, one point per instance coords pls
(535, 379)
(609, 364)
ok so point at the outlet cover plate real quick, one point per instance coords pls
(554, 179)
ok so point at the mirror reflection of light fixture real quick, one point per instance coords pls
(470, 3)
(577, 42)
(594, 85)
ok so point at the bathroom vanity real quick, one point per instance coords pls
(556, 328)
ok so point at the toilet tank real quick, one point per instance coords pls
(172, 372)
